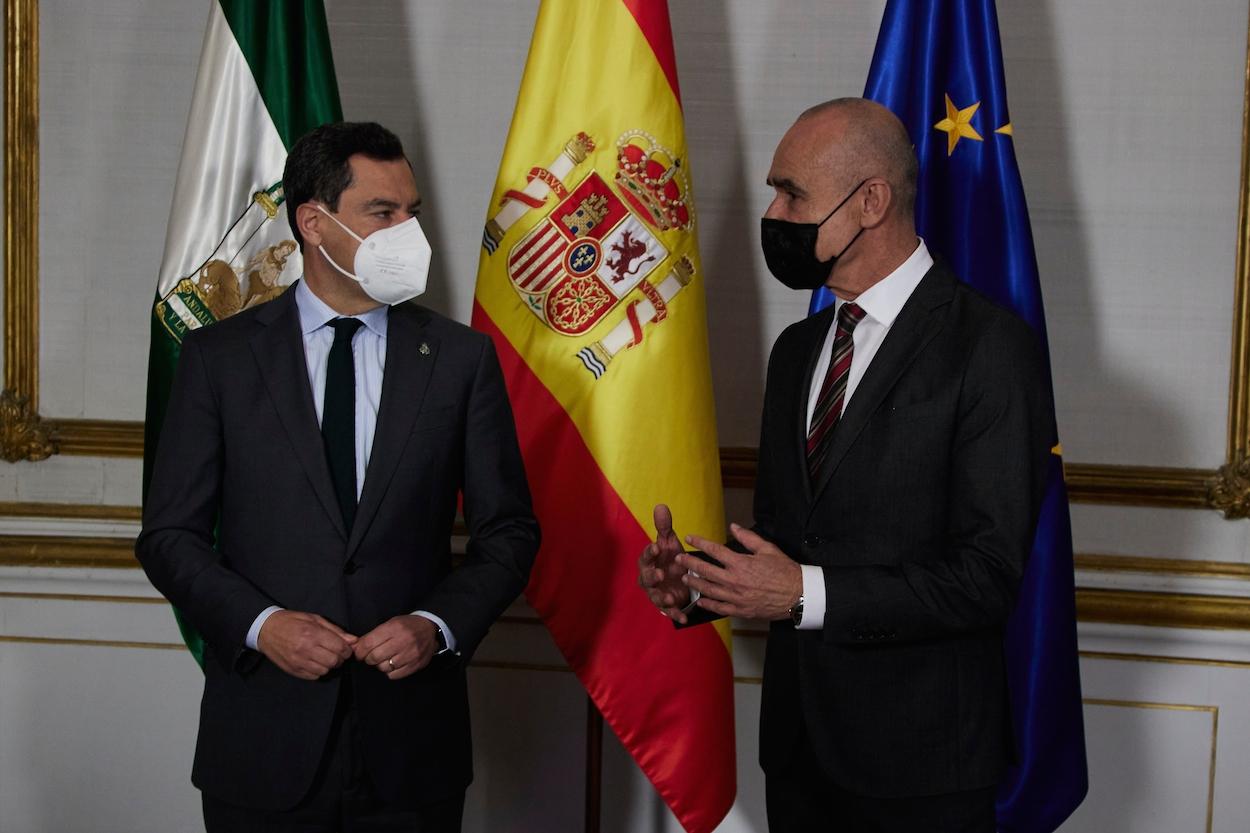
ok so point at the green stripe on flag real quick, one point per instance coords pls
(287, 45)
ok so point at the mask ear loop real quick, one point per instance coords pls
(326, 254)
(845, 200)
(322, 209)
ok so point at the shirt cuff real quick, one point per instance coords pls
(448, 638)
(695, 595)
(253, 633)
(813, 598)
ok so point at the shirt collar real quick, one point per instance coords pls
(884, 300)
(315, 313)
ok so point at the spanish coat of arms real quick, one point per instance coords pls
(597, 245)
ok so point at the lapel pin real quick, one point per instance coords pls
(424, 349)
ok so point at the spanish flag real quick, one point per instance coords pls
(591, 286)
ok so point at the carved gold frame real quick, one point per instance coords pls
(26, 435)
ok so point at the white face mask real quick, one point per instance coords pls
(392, 264)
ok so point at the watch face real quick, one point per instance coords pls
(796, 612)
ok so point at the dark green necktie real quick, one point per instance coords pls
(338, 417)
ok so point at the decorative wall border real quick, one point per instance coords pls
(1213, 711)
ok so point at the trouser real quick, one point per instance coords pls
(342, 798)
(802, 799)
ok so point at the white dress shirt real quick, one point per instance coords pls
(369, 360)
(881, 304)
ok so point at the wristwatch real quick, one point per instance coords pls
(796, 612)
(440, 639)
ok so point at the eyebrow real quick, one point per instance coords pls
(381, 202)
(786, 184)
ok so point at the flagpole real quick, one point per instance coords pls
(594, 765)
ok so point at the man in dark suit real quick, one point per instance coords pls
(903, 446)
(301, 509)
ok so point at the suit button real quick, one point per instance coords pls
(349, 568)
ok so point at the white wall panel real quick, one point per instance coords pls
(1127, 122)
(115, 85)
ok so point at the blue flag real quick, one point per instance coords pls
(938, 66)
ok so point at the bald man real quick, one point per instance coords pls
(903, 445)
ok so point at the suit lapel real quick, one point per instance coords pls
(279, 351)
(916, 325)
(410, 358)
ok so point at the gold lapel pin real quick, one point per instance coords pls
(424, 349)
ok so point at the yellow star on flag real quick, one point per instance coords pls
(957, 124)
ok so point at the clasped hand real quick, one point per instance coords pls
(762, 585)
(309, 646)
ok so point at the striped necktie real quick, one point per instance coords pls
(833, 390)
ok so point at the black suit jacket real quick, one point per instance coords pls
(922, 520)
(241, 514)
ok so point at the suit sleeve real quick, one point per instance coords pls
(176, 546)
(998, 458)
(503, 532)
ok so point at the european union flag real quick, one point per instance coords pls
(938, 66)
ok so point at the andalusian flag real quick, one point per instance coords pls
(265, 78)
(591, 286)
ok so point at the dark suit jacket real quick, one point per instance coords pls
(241, 465)
(922, 521)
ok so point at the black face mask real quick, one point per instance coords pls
(790, 249)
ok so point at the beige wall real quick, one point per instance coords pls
(1128, 127)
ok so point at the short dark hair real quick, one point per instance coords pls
(317, 167)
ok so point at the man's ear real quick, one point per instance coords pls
(878, 198)
(308, 220)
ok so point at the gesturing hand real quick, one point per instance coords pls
(400, 646)
(304, 645)
(658, 571)
(763, 585)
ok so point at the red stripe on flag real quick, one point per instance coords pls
(538, 243)
(652, 17)
(544, 269)
(667, 694)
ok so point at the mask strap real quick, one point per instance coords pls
(848, 245)
(322, 209)
(818, 225)
(329, 259)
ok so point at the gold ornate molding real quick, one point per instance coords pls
(66, 551)
(1162, 566)
(22, 434)
(99, 437)
(1139, 485)
(1230, 488)
(1163, 610)
(74, 511)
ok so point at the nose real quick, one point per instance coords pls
(776, 208)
